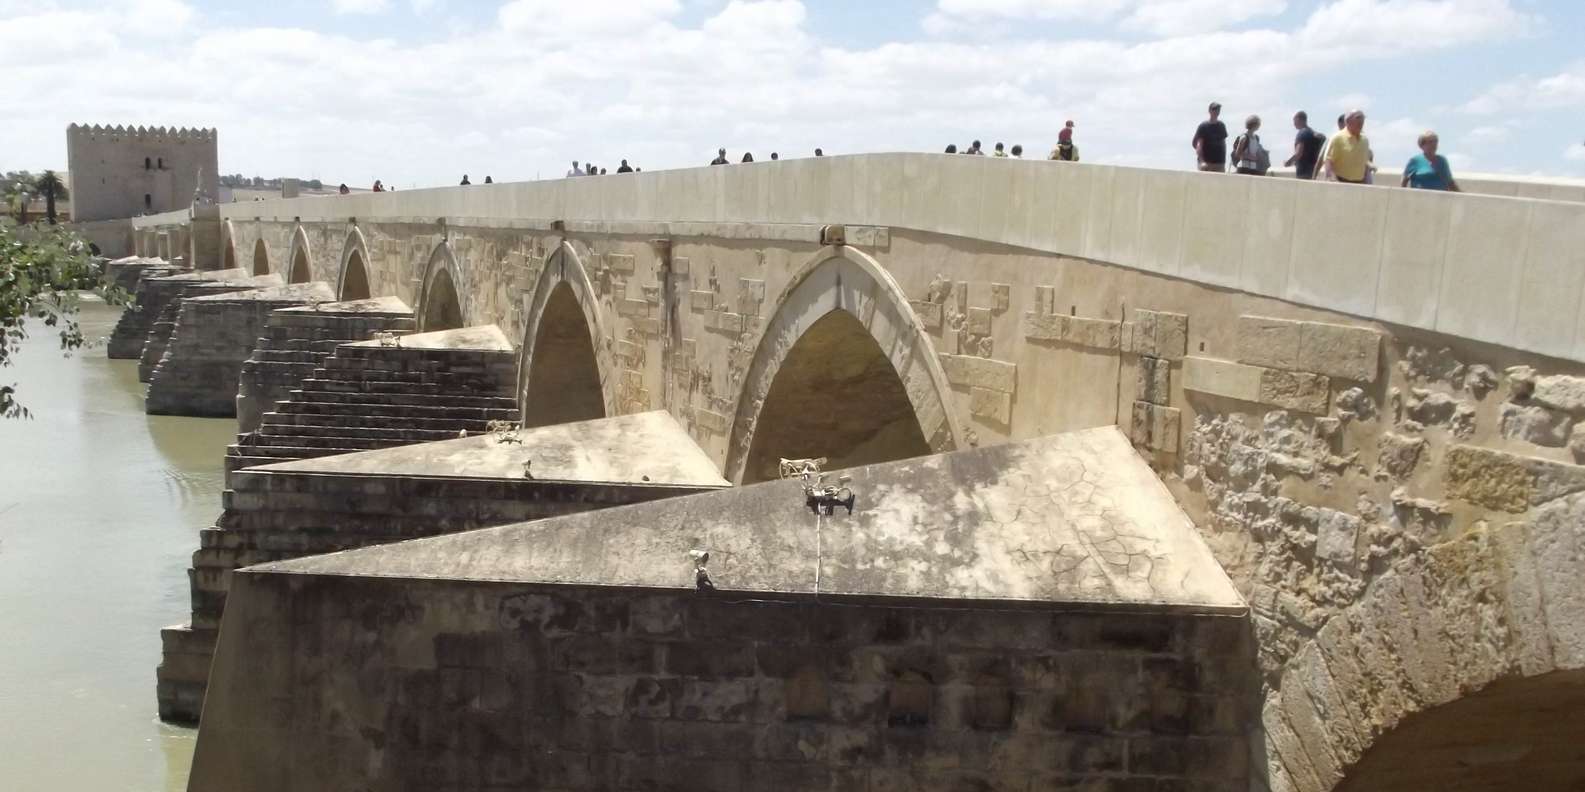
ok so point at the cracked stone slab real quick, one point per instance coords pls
(488, 338)
(646, 447)
(295, 293)
(1070, 520)
(373, 305)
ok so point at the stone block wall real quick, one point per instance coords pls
(198, 366)
(548, 687)
(153, 291)
(293, 344)
(275, 515)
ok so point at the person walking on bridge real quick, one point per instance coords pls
(1429, 170)
(575, 170)
(465, 181)
(1348, 156)
(720, 157)
(1306, 147)
(1066, 150)
(1210, 142)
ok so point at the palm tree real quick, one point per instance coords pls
(49, 182)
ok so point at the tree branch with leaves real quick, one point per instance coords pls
(43, 269)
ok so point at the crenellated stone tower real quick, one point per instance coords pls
(121, 172)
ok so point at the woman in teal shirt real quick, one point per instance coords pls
(1429, 170)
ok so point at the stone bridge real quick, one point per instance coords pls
(1368, 400)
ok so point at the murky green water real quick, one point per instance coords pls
(100, 507)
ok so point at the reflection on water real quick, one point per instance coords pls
(100, 508)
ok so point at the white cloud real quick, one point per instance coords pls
(559, 18)
(1562, 90)
(1180, 17)
(1575, 153)
(1386, 26)
(359, 6)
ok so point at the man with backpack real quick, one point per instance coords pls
(1306, 147)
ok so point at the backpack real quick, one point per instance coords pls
(1261, 162)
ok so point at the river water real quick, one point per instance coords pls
(100, 508)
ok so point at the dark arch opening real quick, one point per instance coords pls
(261, 258)
(300, 273)
(835, 396)
(355, 281)
(229, 260)
(442, 309)
(563, 375)
(1520, 733)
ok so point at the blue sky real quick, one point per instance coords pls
(417, 92)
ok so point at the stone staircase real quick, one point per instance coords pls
(213, 336)
(167, 294)
(369, 395)
(296, 341)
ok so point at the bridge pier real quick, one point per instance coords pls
(327, 504)
(212, 337)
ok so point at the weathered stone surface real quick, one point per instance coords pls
(1557, 537)
(1398, 455)
(1560, 392)
(1336, 536)
(991, 405)
(979, 321)
(1155, 427)
(1507, 482)
(1535, 424)
(929, 313)
(1430, 408)
(1096, 333)
(1154, 382)
(1045, 327)
(971, 371)
(1295, 390)
(1352, 353)
(1265, 341)
(1156, 333)
(1222, 378)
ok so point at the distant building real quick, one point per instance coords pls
(122, 172)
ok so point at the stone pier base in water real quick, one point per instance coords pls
(333, 503)
(169, 299)
(212, 336)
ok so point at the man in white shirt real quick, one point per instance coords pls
(576, 171)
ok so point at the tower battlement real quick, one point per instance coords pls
(99, 131)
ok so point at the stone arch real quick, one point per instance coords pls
(440, 301)
(354, 281)
(261, 257)
(228, 246)
(562, 295)
(1434, 673)
(843, 300)
(300, 258)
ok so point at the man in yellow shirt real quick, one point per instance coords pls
(1348, 156)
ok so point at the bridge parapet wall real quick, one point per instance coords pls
(1502, 270)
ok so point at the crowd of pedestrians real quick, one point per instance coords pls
(1345, 156)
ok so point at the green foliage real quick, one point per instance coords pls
(42, 269)
(16, 189)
